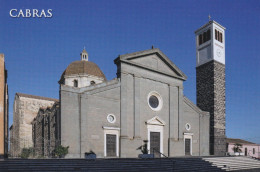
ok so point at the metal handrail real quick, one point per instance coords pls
(154, 149)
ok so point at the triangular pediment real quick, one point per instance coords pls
(154, 60)
(155, 121)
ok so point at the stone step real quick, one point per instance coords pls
(99, 165)
(234, 163)
(82, 168)
(235, 169)
(234, 158)
(246, 160)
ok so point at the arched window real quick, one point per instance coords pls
(75, 83)
(92, 82)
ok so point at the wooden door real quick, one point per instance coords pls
(155, 143)
(111, 145)
(187, 146)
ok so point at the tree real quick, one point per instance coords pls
(237, 147)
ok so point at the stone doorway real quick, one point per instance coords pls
(155, 135)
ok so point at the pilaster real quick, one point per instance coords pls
(137, 124)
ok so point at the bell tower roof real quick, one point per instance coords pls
(209, 23)
(84, 50)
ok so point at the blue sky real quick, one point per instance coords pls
(37, 50)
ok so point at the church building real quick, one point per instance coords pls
(144, 102)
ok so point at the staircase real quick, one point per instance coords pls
(179, 164)
(98, 165)
(240, 163)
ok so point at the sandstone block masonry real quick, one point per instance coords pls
(211, 97)
(25, 109)
(46, 131)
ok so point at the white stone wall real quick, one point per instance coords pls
(83, 80)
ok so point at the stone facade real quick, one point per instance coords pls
(3, 109)
(46, 131)
(86, 112)
(25, 109)
(211, 98)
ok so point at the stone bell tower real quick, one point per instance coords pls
(210, 82)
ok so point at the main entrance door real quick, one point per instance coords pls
(155, 143)
(111, 144)
(187, 146)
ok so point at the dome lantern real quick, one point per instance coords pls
(84, 55)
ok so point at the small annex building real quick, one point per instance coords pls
(247, 148)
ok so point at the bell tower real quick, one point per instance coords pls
(210, 81)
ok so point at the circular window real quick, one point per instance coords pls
(111, 118)
(154, 101)
(187, 126)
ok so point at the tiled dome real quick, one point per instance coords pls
(83, 67)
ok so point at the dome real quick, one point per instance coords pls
(82, 67)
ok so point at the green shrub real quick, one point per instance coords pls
(27, 152)
(60, 151)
